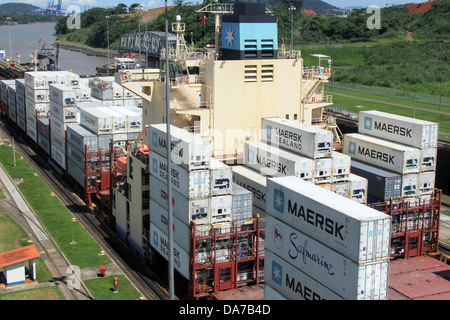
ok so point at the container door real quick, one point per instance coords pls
(414, 244)
(224, 277)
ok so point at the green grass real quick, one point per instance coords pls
(46, 293)
(103, 288)
(13, 236)
(55, 216)
(355, 105)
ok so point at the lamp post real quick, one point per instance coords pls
(107, 34)
(292, 8)
(169, 182)
(139, 9)
(9, 30)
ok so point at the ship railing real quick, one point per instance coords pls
(316, 72)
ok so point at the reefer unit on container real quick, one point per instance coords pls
(160, 218)
(252, 181)
(379, 152)
(64, 114)
(189, 151)
(333, 270)
(293, 283)
(102, 120)
(160, 242)
(242, 206)
(272, 161)
(410, 131)
(78, 136)
(358, 232)
(357, 188)
(63, 95)
(297, 137)
(340, 166)
(37, 95)
(221, 208)
(41, 109)
(323, 168)
(428, 157)
(134, 118)
(191, 184)
(426, 183)
(197, 210)
(382, 184)
(410, 185)
(221, 177)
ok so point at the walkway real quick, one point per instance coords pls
(16, 205)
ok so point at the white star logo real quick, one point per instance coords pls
(278, 201)
(276, 273)
(229, 36)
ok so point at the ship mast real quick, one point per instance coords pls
(218, 9)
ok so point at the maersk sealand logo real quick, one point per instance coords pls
(277, 272)
(154, 139)
(352, 147)
(278, 200)
(367, 123)
(269, 133)
(155, 165)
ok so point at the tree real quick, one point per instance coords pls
(121, 8)
(133, 8)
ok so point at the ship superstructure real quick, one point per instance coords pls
(224, 96)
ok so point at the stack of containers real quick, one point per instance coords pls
(329, 246)
(21, 104)
(191, 190)
(110, 93)
(43, 135)
(404, 145)
(36, 98)
(77, 137)
(4, 95)
(11, 88)
(291, 148)
(63, 111)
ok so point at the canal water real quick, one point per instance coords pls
(27, 38)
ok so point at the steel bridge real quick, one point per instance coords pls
(149, 43)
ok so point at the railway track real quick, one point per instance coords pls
(145, 280)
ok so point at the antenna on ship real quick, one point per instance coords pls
(218, 9)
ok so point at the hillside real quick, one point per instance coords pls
(17, 8)
(318, 6)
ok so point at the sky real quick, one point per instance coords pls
(149, 4)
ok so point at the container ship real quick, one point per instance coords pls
(269, 199)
